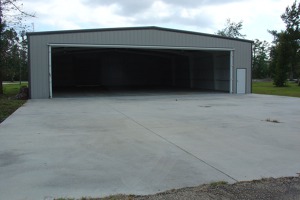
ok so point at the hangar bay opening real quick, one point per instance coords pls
(101, 71)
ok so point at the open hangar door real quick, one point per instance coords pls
(99, 70)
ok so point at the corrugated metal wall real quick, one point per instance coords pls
(38, 49)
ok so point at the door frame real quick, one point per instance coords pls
(53, 45)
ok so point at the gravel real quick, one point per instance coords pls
(286, 188)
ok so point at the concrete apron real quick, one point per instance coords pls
(145, 144)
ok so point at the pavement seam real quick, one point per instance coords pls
(182, 149)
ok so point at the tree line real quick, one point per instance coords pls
(279, 60)
(13, 42)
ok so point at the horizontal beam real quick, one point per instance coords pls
(138, 47)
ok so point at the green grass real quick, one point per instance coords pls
(291, 90)
(8, 104)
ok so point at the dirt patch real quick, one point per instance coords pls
(286, 188)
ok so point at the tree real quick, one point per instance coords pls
(273, 61)
(282, 60)
(11, 16)
(12, 59)
(23, 70)
(285, 52)
(291, 18)
(232, 29)
(260, 68)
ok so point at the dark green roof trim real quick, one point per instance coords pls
(136, 28)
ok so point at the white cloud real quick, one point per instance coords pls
(203, 15)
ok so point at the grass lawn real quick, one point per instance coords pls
(292, 90)
(8, 104)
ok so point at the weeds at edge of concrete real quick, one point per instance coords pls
(218, 183)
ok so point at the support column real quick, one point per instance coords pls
(173, 71)
(50, 70)
(191, 70)
(231, 72)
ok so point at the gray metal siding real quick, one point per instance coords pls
(39, 71)
(139, 37)
(243, 59)
(38, 48)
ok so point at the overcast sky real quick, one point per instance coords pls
(207, 16)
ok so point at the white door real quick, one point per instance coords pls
(241, 81)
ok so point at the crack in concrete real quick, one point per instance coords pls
(177, 146)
